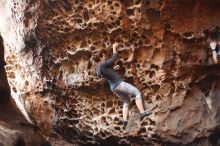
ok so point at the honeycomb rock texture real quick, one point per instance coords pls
(15, 130)
(50, 54)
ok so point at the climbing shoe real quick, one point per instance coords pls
(144, 114)
(125, 123)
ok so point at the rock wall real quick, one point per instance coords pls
(51, 46)
(15, 130)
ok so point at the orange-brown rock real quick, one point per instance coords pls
(50, 50)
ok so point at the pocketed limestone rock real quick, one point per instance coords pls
(50, 51)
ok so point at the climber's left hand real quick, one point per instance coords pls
(117, 67)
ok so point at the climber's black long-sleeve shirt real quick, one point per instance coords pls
(105, 69)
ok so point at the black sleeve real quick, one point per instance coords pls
(110, 61)
(98, 71)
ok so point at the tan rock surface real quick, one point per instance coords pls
(51, 68)
(15, 130)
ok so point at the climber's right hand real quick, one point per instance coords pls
(115, 45)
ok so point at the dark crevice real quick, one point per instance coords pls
(4, 86)
(20, 142)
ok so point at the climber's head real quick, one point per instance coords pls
(102, 55)
(211, 38)
(214, 36)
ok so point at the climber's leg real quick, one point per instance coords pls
(126, 88)
(126, 102)
(125, 111)
(139, 102)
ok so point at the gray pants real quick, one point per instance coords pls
(125, 90)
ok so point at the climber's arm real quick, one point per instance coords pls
(110, 61)
(114, 57)
(115, 48)
(214, 56)
(214, 53)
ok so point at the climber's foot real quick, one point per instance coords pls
(144, 114)
(125, 123)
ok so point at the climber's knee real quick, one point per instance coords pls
(126, 105)
(138, 96)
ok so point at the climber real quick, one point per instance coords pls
(118, 86)
(215, 46)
